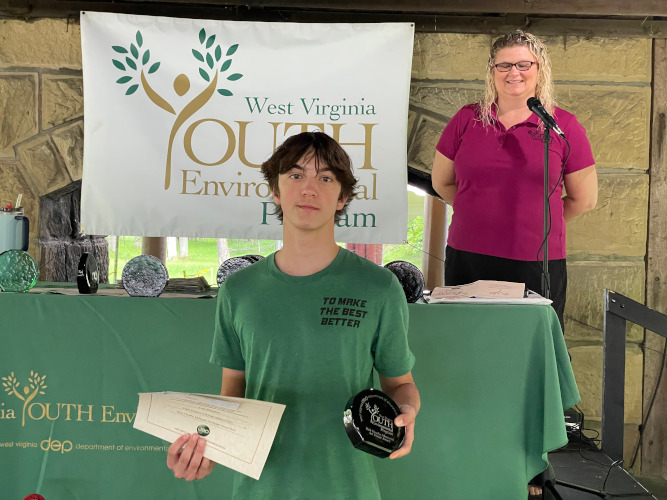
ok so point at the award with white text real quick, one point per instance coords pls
(369, 422)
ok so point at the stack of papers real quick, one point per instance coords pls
(239, 432)
(487, 292)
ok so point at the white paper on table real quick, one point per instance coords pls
(239, 432)
(486, 292)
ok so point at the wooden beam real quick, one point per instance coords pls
(654, 440)
(636, 8)
(647, 28)
(155, 246)
(433, 258)
(494, 17)
(441, 21)
(493, 25)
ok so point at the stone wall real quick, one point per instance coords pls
(606, 82)
(41, 105)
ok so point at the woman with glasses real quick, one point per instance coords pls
(489, 165)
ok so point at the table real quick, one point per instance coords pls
(494, 381)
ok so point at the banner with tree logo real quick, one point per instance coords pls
(181, 113)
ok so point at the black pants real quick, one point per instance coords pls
(465, 267)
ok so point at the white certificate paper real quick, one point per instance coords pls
(486, 292)
(239, 432)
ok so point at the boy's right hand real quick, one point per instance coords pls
(186, 458)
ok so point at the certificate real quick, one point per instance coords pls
(486, 292)
(239, 432)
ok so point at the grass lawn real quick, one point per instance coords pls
(202, 257)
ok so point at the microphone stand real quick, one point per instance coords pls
(546, 279)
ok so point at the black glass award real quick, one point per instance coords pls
(369, 423)
(87, 277)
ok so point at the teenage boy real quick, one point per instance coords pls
(305, 327)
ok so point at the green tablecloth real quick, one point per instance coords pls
(494, 381)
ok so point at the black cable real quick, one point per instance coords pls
(611, 466)
(642, 426)
(572, 318)
(642, 345)
(592, 441)
(423, 251)
(579, 449)
(616, 463)
(545, 240)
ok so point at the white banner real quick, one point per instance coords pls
(180, 114)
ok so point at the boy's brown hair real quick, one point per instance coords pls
(325, 150)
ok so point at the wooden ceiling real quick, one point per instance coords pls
(645, 18)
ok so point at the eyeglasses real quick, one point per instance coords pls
(505, 67)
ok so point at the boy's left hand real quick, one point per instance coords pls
(405, 419)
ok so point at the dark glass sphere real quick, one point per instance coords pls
(230, 266)
(410, 278)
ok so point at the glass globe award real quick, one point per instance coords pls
(145, 276)
(18, 271)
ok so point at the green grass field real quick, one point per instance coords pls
(202, 257)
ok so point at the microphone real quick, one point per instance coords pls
(536, 107)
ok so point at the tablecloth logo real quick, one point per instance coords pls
(29, 392)
(135, 59)
(35, 410)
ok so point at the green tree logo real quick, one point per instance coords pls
(35, 386)
(137, 65)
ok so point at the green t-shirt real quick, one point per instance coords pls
(311, 343)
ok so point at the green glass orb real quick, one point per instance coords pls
(18, 271)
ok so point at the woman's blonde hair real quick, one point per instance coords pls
(545, 88)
